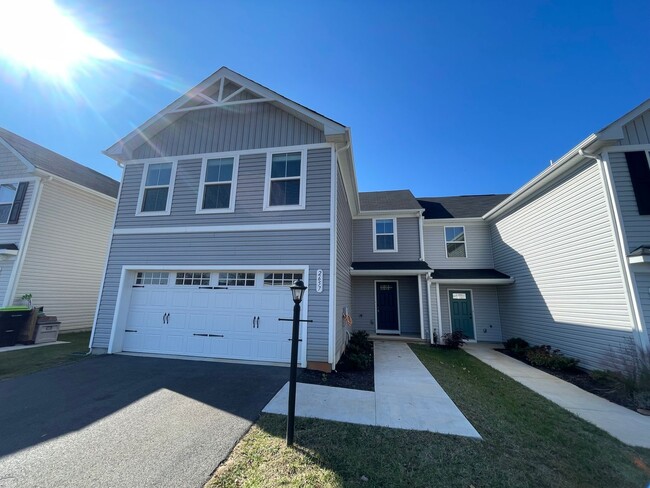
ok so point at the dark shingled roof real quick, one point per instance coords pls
(388, 200)
(459, 207)
(468, 274)
(61, 166)
(390, 266)
(641, 251)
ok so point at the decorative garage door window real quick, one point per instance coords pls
(194, 279)
(281, 279)
(152, 278)
(236, 279)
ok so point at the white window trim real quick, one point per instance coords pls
(267, 182)
(374, 234)
(233, 185)
(11, 204)
(444, 237)
(172, 179)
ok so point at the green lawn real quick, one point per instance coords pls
(18, 363)
(527, 441)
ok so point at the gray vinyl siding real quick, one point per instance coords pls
(343, 262)
(363, 303)
(408, 241)
(433, 301)
(485, 303)
(248, 198)
(637, 131)
(643, 290)
(11, 166)
(12, 234)
(569, 289)
(636, 226)
(426, 304)
(276, 248)
(478, 246)
(233, 128)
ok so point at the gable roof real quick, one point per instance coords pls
(53, 163)
(372, 201)
(223, 88)
(459, 207)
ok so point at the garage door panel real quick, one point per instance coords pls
(237, 322)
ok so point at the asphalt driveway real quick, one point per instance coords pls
(128, 421)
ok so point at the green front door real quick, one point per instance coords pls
(460, 302)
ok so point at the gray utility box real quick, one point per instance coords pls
(46, 332)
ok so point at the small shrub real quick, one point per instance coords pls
(453, 340)
(358, 353)
(546, 357)
(516, 345)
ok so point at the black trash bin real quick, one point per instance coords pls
(11, 324)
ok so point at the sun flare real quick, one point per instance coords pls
(38, 36)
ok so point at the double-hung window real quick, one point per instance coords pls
(157, 187)
(218, 182)
(7, 197)
(455, 242)
(385, 235)
(285, 187)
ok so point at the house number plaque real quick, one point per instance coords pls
(319, 281)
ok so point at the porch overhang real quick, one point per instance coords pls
(639, 255)
(392, 268)
(470, 277)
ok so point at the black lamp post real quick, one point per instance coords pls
(297, 291)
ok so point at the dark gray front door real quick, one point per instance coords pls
(460, 302)
(387, 307)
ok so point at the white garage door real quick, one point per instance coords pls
(231, 315)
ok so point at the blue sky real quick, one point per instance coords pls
(443, 98)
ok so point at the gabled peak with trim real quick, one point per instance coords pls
(224, 88)
(615, 130)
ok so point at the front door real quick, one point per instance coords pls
(461, 312)
(387, 307)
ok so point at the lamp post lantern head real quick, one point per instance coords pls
(298, 290)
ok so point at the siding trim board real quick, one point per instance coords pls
(220, 228)
(639, 326)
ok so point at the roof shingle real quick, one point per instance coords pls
(388, 200)
(61, 166)
(459, 207)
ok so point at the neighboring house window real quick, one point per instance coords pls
(217, 192)
(193, 279)
(281, 279)
(285, 186)
(7, 197)
(157, 188)
(385, 235)
(152, 278)
(236, 279)
(455, 242)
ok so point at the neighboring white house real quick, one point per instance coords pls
(55, 226)
(233, 191)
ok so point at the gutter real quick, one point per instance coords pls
(561, 166)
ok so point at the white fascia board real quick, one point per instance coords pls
(495, 281)
(388, 272)
(30, 167)
(550, 174)
(453, 221)
(388, 213)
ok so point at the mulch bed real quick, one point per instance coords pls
(343, 377)
(582, 379)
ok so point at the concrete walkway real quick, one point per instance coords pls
(624, 424)
(406, 396)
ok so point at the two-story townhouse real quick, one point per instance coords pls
(55, 224)
(228, 195)
(233, 191)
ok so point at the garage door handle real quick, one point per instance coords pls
(201, 335)
(253, 321)
(130, 330)
(258, 322)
